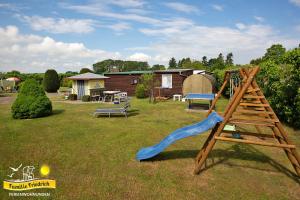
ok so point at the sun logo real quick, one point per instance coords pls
(45, 170)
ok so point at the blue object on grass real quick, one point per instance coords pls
(200, 96)
(178, 134)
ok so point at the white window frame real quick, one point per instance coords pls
(166, 81)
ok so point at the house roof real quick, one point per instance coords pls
(172, 70)
(129, 72)
(148, 72)
(87, 76)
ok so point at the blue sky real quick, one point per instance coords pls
(68, 35)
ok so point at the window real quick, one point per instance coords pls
(166, 80)
(134, 81)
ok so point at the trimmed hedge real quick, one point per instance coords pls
(51, 81)
(86, 98)
(72, 97)
(31, 102)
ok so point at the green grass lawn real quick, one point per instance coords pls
(94, 158)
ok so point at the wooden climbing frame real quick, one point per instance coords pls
(248, 106)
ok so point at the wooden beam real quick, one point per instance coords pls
(255, 142)
(252, 123)
(254, 104)
(253, 119)
(253, 97)
(249, 133)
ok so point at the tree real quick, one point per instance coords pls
(31, 101)
(256, 61)
(51, 81)
(204, 61)
(158, 67)
(275, 53)
(106, 65)
(229, 59)
(85, 70)
(172, 63)
(186, 63)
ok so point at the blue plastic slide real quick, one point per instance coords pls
(180, 133)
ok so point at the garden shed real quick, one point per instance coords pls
(82, 84)
(199, 83)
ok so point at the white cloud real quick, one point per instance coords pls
(181, 7)
(102, 10)
(260, 19)
(118, 27)
(139, 57)
(295, 2)
(32, 53)
(217, 7)
(240, 26)
(127, 3)
(246, 42)
(59, 25)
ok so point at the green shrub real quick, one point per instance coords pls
(66, 83)
(31, 102)
(85, 70)
(72, 97)
(140, 91)
(86, 98)
(51, 81)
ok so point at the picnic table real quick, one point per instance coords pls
(110, 94)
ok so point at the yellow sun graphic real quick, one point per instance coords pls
(45, 170)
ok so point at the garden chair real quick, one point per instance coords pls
(109, 111)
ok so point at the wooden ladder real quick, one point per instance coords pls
(248, 106)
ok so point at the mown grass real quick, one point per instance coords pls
(94, 158)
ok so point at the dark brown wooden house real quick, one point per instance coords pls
(167, 82)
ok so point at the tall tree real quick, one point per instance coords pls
(51, 81)
(172, 63)
(204, 61)
(229, 59)
(275, 53)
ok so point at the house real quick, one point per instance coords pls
(84, 84)
(124, 81)
(167, 82)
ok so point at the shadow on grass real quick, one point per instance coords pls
(57, 111)
(222, 156)
(130, 113)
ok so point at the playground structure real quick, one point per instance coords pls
(247, 106)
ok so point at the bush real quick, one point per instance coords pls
(85, 70)
(72, 97)
(140, 91)
(66, 82)
(31, 102)
(86, 98)
(51, 81)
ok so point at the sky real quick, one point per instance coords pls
(36, 35)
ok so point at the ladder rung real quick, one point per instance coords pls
(228, 139)
(252, 119)
(253, 97)
(252, 123)
(253, 90)
(253, 112)
(260, 135)
(254, 104)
